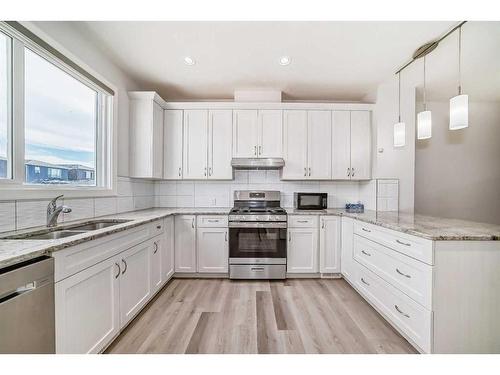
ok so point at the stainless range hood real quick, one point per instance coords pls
(257, 163)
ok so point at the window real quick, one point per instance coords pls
(64, 141)
(60, 121)
(5, 108)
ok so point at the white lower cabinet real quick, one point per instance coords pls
(329, 244)
(156, 264)
(213, 250)
(87, 308)
(135, 280)
(302, 249)
(185, 244)
(347, 266)
(167, 250)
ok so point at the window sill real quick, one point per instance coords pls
(9, 191)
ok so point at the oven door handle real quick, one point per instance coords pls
(275, 225)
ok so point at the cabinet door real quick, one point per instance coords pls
(319, 136)
(270, 134)
(167, 249)
(295, 145)
(157, 141)
(156, 271)
(195, 144)
(361, 145)
(341, 145)
(220, 145)
(302, 250)
(185, 243)
(172, 145)
(135, 280)
(245, 133)
(87, 308)
(329, 244)
(347, 266)
(213, 254)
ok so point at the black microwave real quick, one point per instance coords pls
(310, 201)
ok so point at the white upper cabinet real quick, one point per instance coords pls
(361, 145)
(270, 134)
(245, 133)
(195, 144)
(220, 144)
(172, 144)
(341, 145)
(319, 135)
(329, 244)
(146, 135)
(307, 145)
(295, 145)
(257, 133)
(351, 143)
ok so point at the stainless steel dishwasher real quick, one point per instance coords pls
(27, 307)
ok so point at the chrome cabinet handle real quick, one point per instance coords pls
(309, 171)
(403, 243)
(260, 269)
(323, 223)
(302, 221)
(156, 248)
(260, 150)
(403, 274)
(401, 312)
(205, 174)
(305, 172)
(192, 223)
(125, 266)
(367, 254)
(210, 171)
(179, 171)
(364, 282)
(289, 238)
(348, 172)
(119, 270)
(366, 230)
(213, 220)
(255, 150)
(158, 227)
(226, 236)
(352, 172)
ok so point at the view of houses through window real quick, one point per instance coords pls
(60, 125)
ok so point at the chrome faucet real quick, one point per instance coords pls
(53, 211)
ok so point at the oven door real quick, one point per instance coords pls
(257, 243)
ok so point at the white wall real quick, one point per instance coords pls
(398, 163)
(70, 37)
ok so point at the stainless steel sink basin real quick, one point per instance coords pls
(65, 231)
(95, 225)
(53, 235)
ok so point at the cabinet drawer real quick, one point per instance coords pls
(304, 221)
(157, 227)
(415, 247)
(79, 257)
(214, 221)
(404, 313)
(410, 276)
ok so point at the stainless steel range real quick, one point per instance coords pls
(257, 236)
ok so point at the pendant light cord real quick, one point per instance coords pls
(399, 97)
(425, 90)
(460, 60)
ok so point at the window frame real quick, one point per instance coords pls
(16, 187)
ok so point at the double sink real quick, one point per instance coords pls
(65, 231)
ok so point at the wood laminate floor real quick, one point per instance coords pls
(227, 316)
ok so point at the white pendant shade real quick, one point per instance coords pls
(459, 112)
(399, 134)
(424, 125)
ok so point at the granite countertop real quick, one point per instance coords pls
(429, 227)
(15, 251)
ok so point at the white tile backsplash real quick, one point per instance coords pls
(7, 216)
(31, 213)
(80, 209)
(105, 206)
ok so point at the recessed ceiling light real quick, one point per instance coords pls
(285, 60)
(189, 61)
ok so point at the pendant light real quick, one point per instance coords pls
(459, 105)
(424, 118)
(399, 127)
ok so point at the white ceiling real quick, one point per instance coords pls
(340, 61)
